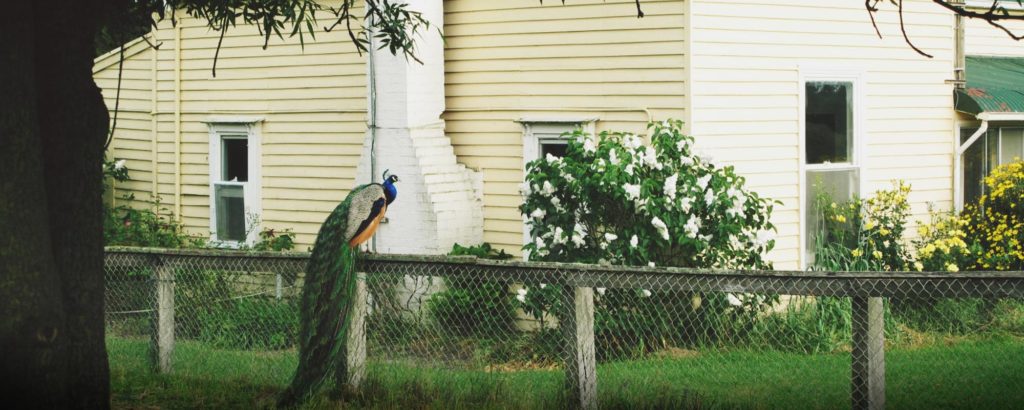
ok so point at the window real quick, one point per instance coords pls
(543, 136)
(830, 165)
(996, 147)
(234, 183)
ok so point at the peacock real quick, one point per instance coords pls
(329, 285)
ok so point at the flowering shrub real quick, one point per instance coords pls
(996, 223)
(942, 243)
(864, 234)
(612, 199)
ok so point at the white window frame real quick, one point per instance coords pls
(229, 128)
(815, 73)
(533, 128)
(958, 191)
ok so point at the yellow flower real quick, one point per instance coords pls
(869, 225)
(840, 218)
(952, 267)
(884, 232)
(833, 205)
(877, 254)
(856, 253)
(918, 266)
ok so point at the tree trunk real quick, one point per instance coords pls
(53, 126)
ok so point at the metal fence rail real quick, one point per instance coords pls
(464, 313)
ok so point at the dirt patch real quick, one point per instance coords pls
(676, 353)
(519, 366)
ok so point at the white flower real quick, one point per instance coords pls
(670, 186)
(522, 291)
(588, 144)
(650, 264)
(556, 202)
(692, 227)
(629, 169)
(610, 237)
(119, 165)
(733, 300)
(601, 291)
(685, 203)
(539, 242)
(543, 285)
(634, 241)
(632, 191)
(682, 144)
(918, 266)
(706, 158)
(525, 189)
(577, 235)
(559, 236)
(709, 197)
(763, 237)
(613, 156)
(632, 142)
(521, 298)
(538, 214)
(703, 181)
(661, 227)
(548, 189)
(600, 162)
(646, 293)
(649, 158)
(686, 160)
(551, 158)
(952, 267)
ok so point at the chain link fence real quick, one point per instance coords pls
(458, 331)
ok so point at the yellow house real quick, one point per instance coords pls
(788, 91)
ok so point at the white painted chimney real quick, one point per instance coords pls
(440, 202)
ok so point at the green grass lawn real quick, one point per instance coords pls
(985, 373)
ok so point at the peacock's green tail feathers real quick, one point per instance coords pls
(326, 300)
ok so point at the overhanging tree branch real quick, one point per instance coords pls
(995, 15)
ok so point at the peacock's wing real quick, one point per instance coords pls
(367, 207)
(326, 299)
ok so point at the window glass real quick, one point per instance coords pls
(235, 162)
(829, 122)
(838, 184)
(1011, 144)
(230, 212)
(555, 148)
(974, 165)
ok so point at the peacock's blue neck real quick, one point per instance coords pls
(390, 191)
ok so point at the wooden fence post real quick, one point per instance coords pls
(355, 346)
(162, 346)
(581, 364)
(867, 384)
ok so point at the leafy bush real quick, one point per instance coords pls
(613, 200)
(271, 240)
(996, 223)
(942, 243)
(127, 226)
(250, 323)
(474, 307)
(863, 234)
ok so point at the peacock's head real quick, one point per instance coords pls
(389, 177)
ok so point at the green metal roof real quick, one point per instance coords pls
(994, 84)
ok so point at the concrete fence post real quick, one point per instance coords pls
(162, 346)
(578, 331)
(355, 345)
(867, 382)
